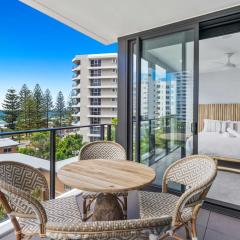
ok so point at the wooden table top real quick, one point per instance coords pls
(105, 175)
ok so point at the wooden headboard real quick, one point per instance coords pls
(218, 112)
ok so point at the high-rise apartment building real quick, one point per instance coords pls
(94, 91)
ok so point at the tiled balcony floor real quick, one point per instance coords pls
(211, 225)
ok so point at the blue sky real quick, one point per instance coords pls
(35, 48)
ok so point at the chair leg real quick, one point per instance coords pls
(194, 222)
(187, 231)
(85, 210)
(194, 229)
(125, 207)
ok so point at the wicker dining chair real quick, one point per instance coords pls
(102, 150)
(196, 173)
(60, 218)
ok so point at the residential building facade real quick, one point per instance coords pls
(94, 92)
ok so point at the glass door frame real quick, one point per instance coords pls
(124, 129)
(138, 41)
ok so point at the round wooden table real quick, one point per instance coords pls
(106, 176)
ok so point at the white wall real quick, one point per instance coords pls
(220, 87)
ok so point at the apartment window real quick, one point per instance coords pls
(114, 70)
(95, 130)
(114, 90)
(114, 60)
(95, 62)
(95, 72)
(95, 101)
(95, 92)
(7, 150)
(114, 99)
(114, 80)
(95, 121)
(113, 109)
(95, 82)
(95, 111)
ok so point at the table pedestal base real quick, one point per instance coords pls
(107, 208)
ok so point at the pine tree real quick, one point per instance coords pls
(69, 110)
(10, 108)
(39, 106)
(48, 105)
(26, 117)
(60, 107)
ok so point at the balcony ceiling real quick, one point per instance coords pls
(107, 20)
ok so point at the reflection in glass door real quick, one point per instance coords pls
(166, 99)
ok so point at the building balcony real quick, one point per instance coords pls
(76, 77)
(76, 86)
(103, 96)
(76, 105)
(103, 116)
(104, 86)
(76, 96)
(103, 106)
(76, 114)
(76, 68)
(103, 76)
(114, 66)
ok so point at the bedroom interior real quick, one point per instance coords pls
(219, 112)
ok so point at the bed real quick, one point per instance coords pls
(215, 140)
(218, 145)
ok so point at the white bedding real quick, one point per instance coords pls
(216, 144)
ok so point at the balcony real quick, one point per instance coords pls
(76, 76)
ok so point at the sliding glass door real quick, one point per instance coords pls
(164, 100)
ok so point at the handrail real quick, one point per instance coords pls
(53, 144)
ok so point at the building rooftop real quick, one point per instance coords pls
(35, 162)
(7, 142)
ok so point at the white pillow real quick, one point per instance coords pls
(224, 126)
(212, 125)
(236, 126)
(233, 133)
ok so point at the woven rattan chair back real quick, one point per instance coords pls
(102, 150)
(23, 177)
(195, 170)
(197, 173)
(21, 189)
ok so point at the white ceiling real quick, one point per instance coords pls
(107, 20)
(212, 53)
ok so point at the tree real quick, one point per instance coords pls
(69, 110)
(48, 105)
(26, 117)
(10, 108)
(39, 106)
(69, 146)
(60, 107)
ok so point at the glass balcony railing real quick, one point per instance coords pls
(49, 149)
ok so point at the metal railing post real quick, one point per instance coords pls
(52, 162)
(109, 132)
(102, 132)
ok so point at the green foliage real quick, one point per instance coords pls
(32, 110)
(60, 107)
(66, 147)
(38, 99)
(69, 146)
(26, 117)
(10, 108)
(48, 105)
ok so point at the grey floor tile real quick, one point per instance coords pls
(214, 235)
(223, 224)
(203, 217)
